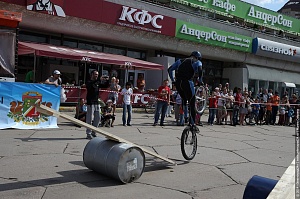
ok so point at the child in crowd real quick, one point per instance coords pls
(181, 114)
(212, 108)
(262, 111)
(127, 94)
(81, 110)
(281, 115)
(108, 114)
(269, 111)
(177, 107)
(255, 110)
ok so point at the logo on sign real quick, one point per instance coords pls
(142, 17)
(278, 50)
(25, 111)
(86, 59)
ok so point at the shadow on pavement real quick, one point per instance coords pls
(83, 176)
(47, 139)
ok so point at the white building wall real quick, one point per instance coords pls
(238, 77)
(156, 77)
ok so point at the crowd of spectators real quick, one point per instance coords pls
(235, 107)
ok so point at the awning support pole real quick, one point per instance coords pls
(34, 67)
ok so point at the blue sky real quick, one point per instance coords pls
(269, 4)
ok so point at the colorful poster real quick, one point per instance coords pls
(17, 105)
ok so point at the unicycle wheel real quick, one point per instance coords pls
(188, 143)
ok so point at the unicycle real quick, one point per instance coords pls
(189, 142)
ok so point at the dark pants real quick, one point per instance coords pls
(274, 114)
(235, 115)
(161, 108)
(212, 115)
(186, 90)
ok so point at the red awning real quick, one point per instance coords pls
(9, 18)
(84, 55)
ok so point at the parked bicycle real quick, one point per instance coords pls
(151, 105)
(201, 95)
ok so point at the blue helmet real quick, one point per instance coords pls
(196, 54)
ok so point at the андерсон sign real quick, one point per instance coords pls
(267, 48)
(250, 13)
(210, 36)
(138, 19)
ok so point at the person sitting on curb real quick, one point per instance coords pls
(81, 110)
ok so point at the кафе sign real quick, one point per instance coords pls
(250, 13)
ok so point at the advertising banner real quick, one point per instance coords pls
(267, 48)
(7, 53)
(140, 99)
(248, 12)
(16, 107)
(210, 36)
(106, 12)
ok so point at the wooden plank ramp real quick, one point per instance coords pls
(51, 112)
(285, 187)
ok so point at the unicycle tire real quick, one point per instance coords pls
(188, 143)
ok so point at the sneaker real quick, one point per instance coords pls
(186, 120)
(94, 134)
(129, 125)
(124, 125)
(89, 137)
(155, 124)
(162, 125)
(111, 125)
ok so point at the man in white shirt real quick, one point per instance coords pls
(127, 104)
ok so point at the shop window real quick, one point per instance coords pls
(263, 84)
(53, 61)
(55, 41)
(136, 54)
(253, 87)
(90, 46)
(116, 51)
(70, 43)
(33, 37)
(69, 62)
(271, 85)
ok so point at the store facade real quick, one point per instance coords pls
(158, 34)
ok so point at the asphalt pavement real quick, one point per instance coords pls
(48, 163)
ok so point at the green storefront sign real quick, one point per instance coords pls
(248, 12)
(210, 36)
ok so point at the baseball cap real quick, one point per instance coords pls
(56, 72)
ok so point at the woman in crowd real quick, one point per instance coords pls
(229, 107)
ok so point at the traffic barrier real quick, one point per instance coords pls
(259, 187)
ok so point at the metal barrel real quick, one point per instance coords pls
(120, 161)
(259, 187)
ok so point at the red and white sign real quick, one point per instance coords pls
(138, 19)
(104, 11)
(74, 93)
(143, 17)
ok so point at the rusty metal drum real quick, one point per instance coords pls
(120, 161)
